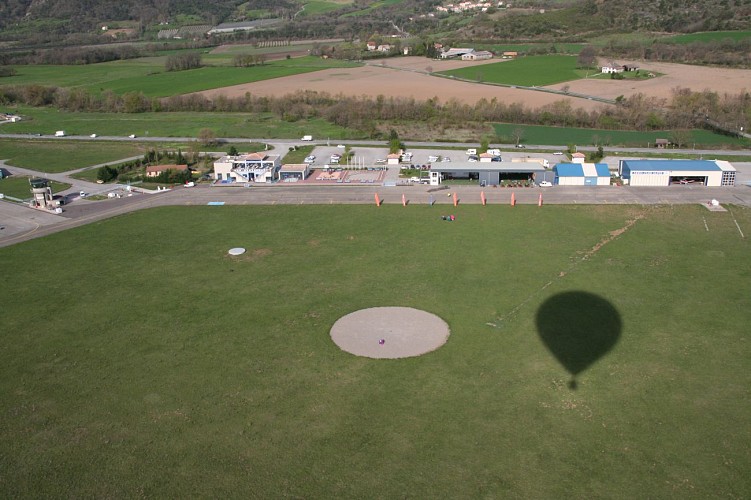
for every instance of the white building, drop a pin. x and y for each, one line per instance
(712, 173)
(253, 167)
(477, 55)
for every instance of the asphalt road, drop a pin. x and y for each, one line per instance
(282, 144)
(20, 223)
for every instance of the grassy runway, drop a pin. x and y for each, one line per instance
(138, 359)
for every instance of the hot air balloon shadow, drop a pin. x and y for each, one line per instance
(578, 328)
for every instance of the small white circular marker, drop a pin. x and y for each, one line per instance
(236, 251)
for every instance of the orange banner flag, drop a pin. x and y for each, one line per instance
(404, 201)
(456, 201)
(513, 199)
(539, 200)
(482, 197)
(377, 200)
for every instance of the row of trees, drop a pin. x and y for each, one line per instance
(248, 60)
(728, 52)
(181, 62)
(686, 109)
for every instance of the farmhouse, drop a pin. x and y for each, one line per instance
(612, 68)
(457, 52)
(712, 173)
(156, 170)
(477, 55)
(253, 167)
(581, 174)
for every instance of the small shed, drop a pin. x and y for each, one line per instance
(662, 143)
(578, 158)
(393, 159)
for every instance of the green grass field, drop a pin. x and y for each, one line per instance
(17, 186)
(147, 75)
(138, 359)
(60, 156)
(525, 71)
(565, 48)
(316, 7)
(710, 36)
(179, 124)
(538, 134)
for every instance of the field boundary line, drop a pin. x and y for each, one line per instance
(612, 235)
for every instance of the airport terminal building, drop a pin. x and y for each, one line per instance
(711, 173)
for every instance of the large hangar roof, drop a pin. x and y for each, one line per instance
(488, 166)
(681, 165)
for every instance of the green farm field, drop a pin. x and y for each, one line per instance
(138, 359)
(147, 75)
(709, 36)
(177, 124)
(538, 134)
(525, 71)
(316, 7)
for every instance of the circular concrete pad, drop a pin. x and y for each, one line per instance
(236, 251)
(389, 332)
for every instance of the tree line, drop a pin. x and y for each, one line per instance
(684, 110)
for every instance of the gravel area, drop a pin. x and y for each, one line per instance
(389, 332)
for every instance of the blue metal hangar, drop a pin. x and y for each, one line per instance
(713, 173)
(581, 174)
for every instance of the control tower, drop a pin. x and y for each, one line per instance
(41, 192)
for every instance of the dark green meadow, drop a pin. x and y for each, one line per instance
(138, 359)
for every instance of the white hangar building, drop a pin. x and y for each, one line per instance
(712, 173)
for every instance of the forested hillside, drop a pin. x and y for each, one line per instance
(528, 19)
(86, 14)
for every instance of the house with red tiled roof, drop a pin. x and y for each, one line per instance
(156, 170)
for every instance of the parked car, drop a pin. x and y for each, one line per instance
(93, 136)
(83, 194)
(473, 158)
(545, 184)
(520, 146)
(132, 136)
(496, 158)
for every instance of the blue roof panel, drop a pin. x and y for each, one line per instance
(602, 170)
(568, 170)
